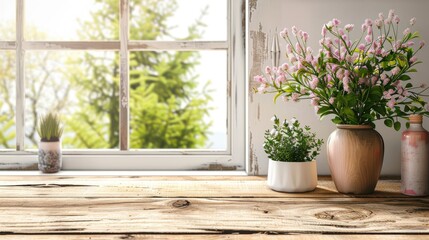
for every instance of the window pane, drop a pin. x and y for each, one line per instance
(83, 87)
(178, 100)
(7, 100)
(7, 20)
(178, 20)
(71, 20)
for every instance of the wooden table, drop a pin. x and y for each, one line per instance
(81, 207)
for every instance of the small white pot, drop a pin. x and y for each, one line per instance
(292, 176)
(50, 160)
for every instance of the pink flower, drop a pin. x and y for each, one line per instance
(391, 103)
(267, 70)
(305, 36)
(368, 38)
(295, 97)
(368, 22)
(298, 48)
(336, 22)
(285, 66)
(396, 19)
(259, 79)
(381, 16)
(413, 21)
(378, 23)
(289, 48)
(422, 43)
(262, 88)
(369, 30)
(386, 95)
(340, 31)
(349, 27)
(396, 70)
(284, 33)
(385, 81)
(388, 21)
(413, 59)
(364, 27)
(406, 31)
(361, 47)
(374, 80)
(280, 79)
(294, 30)
(409, 43)
(293, 59)
(315, 101)
(331, 100)
(391, 13)
(314, 82)
(323, 31)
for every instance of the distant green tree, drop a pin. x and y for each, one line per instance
(167, 105)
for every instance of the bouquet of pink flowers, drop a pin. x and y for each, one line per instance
(356, 81)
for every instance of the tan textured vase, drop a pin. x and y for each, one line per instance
(355, 157)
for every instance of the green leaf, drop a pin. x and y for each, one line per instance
(397, 126)
(404, 77)
(388, 122)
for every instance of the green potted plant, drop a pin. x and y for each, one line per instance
(50, 131)
(291, 150)
(357, 82)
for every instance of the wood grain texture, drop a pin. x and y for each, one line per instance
(216, 236)
(157, 186)
(213, 215)
(201, 207)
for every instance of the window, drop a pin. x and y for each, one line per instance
(140, 84)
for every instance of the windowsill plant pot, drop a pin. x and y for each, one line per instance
(292, 176)
(355, 157)
(50, 160)
(50, 131)
(291, 151)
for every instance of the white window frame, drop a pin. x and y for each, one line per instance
(124, 158)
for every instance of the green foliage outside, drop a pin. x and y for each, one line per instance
(166, 111)
(167, 106)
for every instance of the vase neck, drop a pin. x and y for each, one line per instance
(351, 126)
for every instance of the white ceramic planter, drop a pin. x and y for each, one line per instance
(292, 176)
(50, 160)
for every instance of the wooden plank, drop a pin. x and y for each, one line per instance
(217, 236)
(174, 186)
(213, 215)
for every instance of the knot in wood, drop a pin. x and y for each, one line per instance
(346, 214)
(181, 204)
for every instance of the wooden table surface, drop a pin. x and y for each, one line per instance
(203, 207)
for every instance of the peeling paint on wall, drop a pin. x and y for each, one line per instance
(252, 7)
(259, 55)
(254, 165)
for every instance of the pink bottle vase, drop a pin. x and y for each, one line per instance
(415, 159)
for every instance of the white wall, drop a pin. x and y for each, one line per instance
(267, 15)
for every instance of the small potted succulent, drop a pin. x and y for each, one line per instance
(291, 150)
(50, 131)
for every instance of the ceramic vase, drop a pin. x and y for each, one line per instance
(292, 176)
(415, 159)
(355, 157)
(50, 160)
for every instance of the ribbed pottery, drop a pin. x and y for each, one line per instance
(355, 157)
